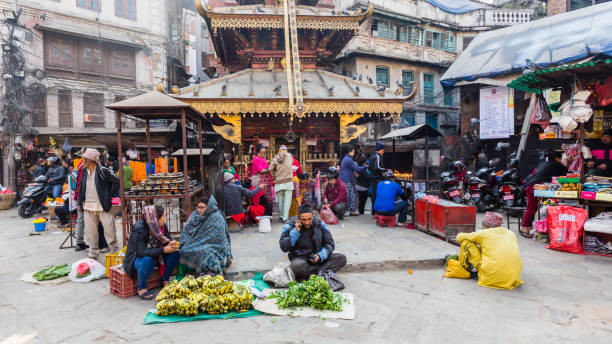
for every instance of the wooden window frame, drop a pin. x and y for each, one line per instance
(405, 85)
(429, 98)
(121, 72)
(93, 104)
(92, 67)
(124, 8)
(55, 45)
(89, 5)
(385, 68)
(67, 111)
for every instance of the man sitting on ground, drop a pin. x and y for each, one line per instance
(233, 198)
(385, 203)
(335, 194)
(310, 245)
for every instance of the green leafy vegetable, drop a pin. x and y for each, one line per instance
(314, 293)
(52, 272)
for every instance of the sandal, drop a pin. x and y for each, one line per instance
(147, 296)
(525, 235)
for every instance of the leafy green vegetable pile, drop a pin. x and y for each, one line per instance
(52, 272)
(314, 293)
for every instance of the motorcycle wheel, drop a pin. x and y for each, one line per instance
(25, 211)
(480, 206)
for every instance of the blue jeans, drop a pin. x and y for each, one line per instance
(56, 190)
(401, 207)
(145, 265)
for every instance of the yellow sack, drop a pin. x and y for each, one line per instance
(455, 270)
(501, 263)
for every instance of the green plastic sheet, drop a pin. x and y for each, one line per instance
(256, 282)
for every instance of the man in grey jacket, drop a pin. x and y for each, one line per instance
(233, 195)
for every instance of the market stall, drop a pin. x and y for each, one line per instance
(174, 191)
(575, 102)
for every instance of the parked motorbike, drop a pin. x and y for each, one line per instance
(450, 188)
(511, 184)
(483, 188)
(34, 197)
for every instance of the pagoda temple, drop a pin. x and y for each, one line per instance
(280, 90)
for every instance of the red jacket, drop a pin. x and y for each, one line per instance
(336, 193)
(297, 168)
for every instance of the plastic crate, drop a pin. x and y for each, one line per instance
(113, 259)
(123, 286)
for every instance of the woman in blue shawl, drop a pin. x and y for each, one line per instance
(205, 243)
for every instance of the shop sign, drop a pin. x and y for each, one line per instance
(496, 113)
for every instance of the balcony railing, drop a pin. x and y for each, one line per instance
(390, 48)
(507, 17)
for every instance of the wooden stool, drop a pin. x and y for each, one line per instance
(521, 212)
(385, 220)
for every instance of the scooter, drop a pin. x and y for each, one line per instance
(483, 188)
(34, 197)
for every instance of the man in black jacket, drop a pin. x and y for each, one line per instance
(98, 184)
(56, 177)
(375, 166)
(310, 245)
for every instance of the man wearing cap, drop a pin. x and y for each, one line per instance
(601, 162)
(233, 197)
(282, 170)
(310, 245)
(97, 186)
(375, 166)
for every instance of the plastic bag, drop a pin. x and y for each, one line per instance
(541, 226)
(455, 270)
(280, 275)
(328, 216)
(332, 279)
(565, 225)
(96, 269)
(541, 110)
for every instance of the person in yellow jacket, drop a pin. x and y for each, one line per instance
(497, 257)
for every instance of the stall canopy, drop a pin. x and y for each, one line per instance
(549, 41)
(457, 6)
(413, 133)
(193, 151)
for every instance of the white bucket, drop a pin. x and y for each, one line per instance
(265, 224)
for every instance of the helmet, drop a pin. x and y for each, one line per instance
(389, 175)
(457, 167)
(53, 159)
(333, 172)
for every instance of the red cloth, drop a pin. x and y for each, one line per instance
(604, 92)
(239, 218)
(256, 209)
(336, 193)
(297, 168)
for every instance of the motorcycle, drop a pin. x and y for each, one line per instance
(483, 188)
(511, 184)
(450, 187)
(34, 197)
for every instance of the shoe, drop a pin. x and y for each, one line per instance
(104, 250)
(354, 214)
(81, 247)
(93, 256)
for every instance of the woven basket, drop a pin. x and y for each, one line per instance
(7, 201)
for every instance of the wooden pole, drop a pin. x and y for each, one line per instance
(185, 168)
(201, 157)
(124, 215)
(148, 130)
(526, 126)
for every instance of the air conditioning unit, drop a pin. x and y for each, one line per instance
(88, 117)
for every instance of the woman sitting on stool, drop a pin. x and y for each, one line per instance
(150, 241)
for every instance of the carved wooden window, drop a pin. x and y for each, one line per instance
(407, 78)
(122, 62)
(90, 57)
(61, 52)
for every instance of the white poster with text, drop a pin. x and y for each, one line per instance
(495, 112)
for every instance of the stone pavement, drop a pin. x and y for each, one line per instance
(566, 298)
(366, 246)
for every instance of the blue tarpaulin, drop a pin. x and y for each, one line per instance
(548, 41)
(456, 6)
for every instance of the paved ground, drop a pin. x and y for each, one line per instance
(566, 298)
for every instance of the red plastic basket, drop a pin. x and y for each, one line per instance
(123, 286)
